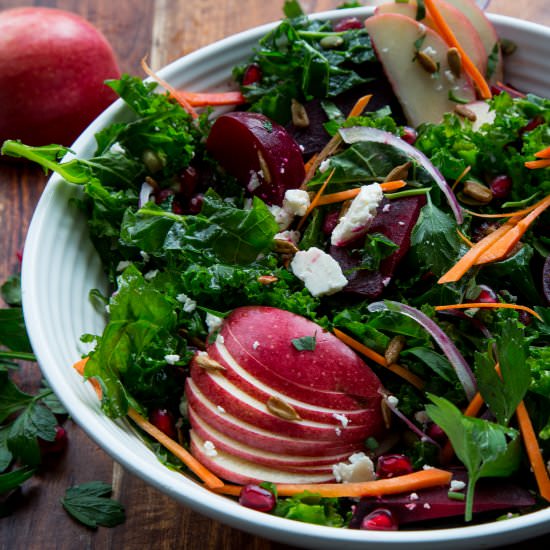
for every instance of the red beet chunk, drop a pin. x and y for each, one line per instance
(396, 223)
(432, 504)
(260, 153)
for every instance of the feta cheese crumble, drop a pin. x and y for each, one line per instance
(282, 217)
(290, 236)
(122, 265)
(296, 202)
(342, 418)
(359, 468)
(457, 485)
(256, 344)
(213, 322)
(210, 449)
(320, 272)
(189, 305)
(358, 218)
(172, 358)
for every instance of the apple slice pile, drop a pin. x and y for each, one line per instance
(416, 61)
(277, 398)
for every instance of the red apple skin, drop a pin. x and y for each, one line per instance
(255, 413)
(209, 383)
(288, 463)
(253, 436)
(53, 65)
(331, 368)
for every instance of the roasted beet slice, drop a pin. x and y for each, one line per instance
(433, 504)
(260, 153)
(313, 138)
(395, 219)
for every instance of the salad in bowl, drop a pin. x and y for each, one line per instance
(323, 290)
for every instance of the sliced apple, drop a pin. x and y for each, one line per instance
(238, 470)
(465, 32)
(424, 96)
(485, 30)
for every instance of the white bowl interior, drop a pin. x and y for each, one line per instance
(60, 267)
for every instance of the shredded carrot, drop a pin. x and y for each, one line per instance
(352, 193)
(503, 246)
(209, 479)
(200, 99)
(422, 479)
(512, 91)
(310, 162)
(315, 200)
(449, 37)
(490, 305)
(335, 140)
(464, 173)
(171, 90)
(469, 259)
(534, 164)
(464, 238)
(404, 373)
(543, 153)
(533, 451)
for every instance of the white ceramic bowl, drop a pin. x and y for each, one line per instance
(60, 266)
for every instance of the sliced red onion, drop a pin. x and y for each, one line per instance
(363, 133)
(144, 194)
(463, 371)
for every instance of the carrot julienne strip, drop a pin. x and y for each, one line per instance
(171, 90)
(469, 259)
(416, 381)
(209, 479)
(489, 305)
(464, 238)
(401, 484)
(446, 32)
(352, 193)
(501, 248)
(201, 99)
(315, 200)
(534, 164)
(543, 153)
(464, 173)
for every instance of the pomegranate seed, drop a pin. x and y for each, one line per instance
(486, 296)
(252, 74)
(177, 208)
(409, 135)
(347, 24)
(380, 519)
(162, 195)
(500, 186)
(19, 255)
(436, 433)
(330, 222)
(195, 204)
(188, 182)
(532, 124)
(257, 498)
(525, 318)
(164, 421)
(393, 466)
(57, 445)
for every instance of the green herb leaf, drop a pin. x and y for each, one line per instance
(305, 343)
(503, 394)
(13, 334)
(11, 291)
(310, 508)
(90, 505)
(292, 8)
(11, 398)
(485, 448)
(12, 480)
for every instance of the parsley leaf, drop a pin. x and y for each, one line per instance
(90, 504)
(503, 394)
(310, 508)
(485, 448)
(305, 343)
(13, 479)
(11, 398)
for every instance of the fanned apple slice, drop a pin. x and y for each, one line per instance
(406, 49)
(486, 31)
(465, 32)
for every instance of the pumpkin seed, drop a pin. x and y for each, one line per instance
(400, 172)
(395, 346)
(300, 118)
(203, 361)
(264, 168)
(478, 192)
(427, 62)
(267, 279)
(282, 409)
(463, 111)
(331, 41)
(454, 59)
(282, 246)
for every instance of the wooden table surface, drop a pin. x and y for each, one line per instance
(164, 30)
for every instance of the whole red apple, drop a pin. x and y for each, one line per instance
(53, 65)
